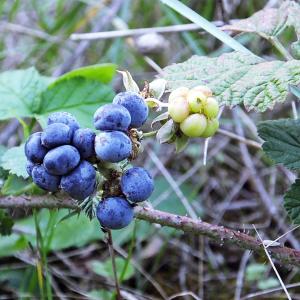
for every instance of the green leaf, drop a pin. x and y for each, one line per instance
(282, 141)
(268, 283)
(181, 143)
(12, 244)
(105, 268)
(157, 88)
(295, 91)
(79, 96)
(103, 73)
(99, 294)
(166, 132)
(206, 25)
(20, 92)
(15, 185)
(128, 82)
(6, 223)
(162, 117)
(255, 271)
(14, 160)
(292, 202)
(270, 21)
(237, 78)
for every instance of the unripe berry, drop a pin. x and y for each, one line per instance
(179, 92)
(204, 89)
(211, 108)
(196, 99)
(179, 109)
(211, 128)
(194, 125)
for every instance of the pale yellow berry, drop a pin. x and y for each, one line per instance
(211, 128)
(204, 89)
(194, 125)
(211, 108)
(196, 100)
(179, 92)
(179, 109)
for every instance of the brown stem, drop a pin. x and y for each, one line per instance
(219, 234)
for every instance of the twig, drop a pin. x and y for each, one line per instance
(240, 276)
(133, 32)
(240, 138)
(269, 291)
(217, 233)
(113, 262)
(274, 268)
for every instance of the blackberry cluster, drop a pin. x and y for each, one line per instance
(64, 157)
(113, 144)
(195, 110)
(59, 157)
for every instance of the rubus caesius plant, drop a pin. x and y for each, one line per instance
(88, 138)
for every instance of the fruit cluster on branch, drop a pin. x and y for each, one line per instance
(196, 111)
(68, 158)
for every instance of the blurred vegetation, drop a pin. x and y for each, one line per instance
(37, 33)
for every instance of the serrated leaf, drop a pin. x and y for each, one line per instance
(292, 202)
(270, 21)
(159, 118)
(103, 73)
(237, 78)
(14, 161)
(282, 141)
(181, 142)
(20, 91)
(295, 91)
(79, 96)
(129, 83)
(166, 132)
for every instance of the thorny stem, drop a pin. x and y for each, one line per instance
(113, 261)
(219, 234)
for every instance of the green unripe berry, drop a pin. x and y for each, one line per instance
(211, 128)
(179, 92)
(203, 89)
(179, 109)
(194, 125)
(211, 108)
(196, 100)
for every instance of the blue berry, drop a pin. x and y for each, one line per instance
(136, 184)
(84, 141)
(81, 182)
(44, 180)
(112, 117)
(112, 146)
(114, 213)
(56, 134)
(136, 106)
(61, 160)
(64, 117)
(29, 166)
(34, 150)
